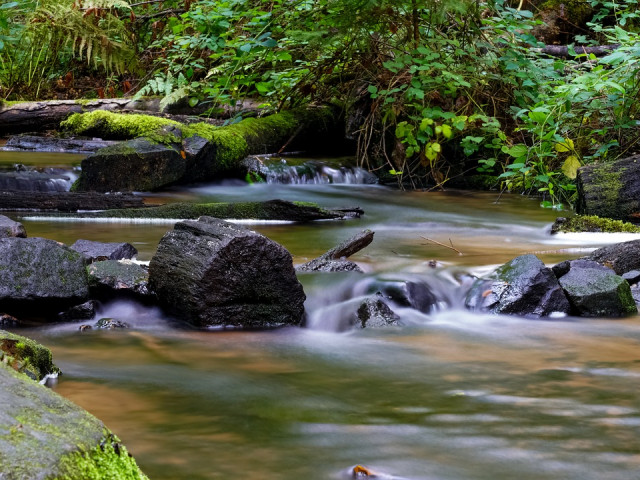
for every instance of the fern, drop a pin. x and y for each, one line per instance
(93, 32)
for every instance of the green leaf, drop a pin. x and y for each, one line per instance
(446, 131)
(570, 167)
(517, 151)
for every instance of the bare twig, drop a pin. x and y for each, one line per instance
(443, 245)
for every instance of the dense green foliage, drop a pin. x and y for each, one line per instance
(432, 88)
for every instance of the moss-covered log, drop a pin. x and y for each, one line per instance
(269, 210)
(610, 190)
(194, 152)
(19, 117)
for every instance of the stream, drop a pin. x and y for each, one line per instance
(449, 395)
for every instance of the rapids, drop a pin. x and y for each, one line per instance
(450, 395)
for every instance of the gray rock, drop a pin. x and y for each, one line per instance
(134, 165)
(329, 265)
(96, 251)
(85, 311)
(54, 144)
(109, 278)
(43, 435)
(40, 277)
(522, 286)
(373, 312)
(10, 228)
(621, 257)
(213, 273)
(335, 260)
(8, 321)
(632, 276)
(596, 291)
(111, 324)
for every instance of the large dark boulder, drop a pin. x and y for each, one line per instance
(522, 286)
(134, 165)
(10, 228)
(621, 257)
(213, 273)
(610, 189)
(595, 290)
(112, 278)
(98, 251)
(40, 277)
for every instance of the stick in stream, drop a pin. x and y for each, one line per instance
(443, 245)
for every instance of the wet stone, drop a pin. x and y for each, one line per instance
(97, 251)
(85, 311)
(111, 324)
(10, 228)
(375, 313)
(632, 276)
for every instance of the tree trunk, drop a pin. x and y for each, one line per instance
(46, 115)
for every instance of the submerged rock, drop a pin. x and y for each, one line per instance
(373, 312)
(110, 278)
(97, 251)
(621, 257)
(40, 277)
(10, 228)
(523, 286)
(213, 273)
(595, 290)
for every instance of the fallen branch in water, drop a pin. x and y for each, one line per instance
(442, 244)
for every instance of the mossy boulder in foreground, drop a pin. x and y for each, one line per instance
(212, 273)
(44, 436)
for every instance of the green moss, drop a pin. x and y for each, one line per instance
(109, 460)
(593, 223)
(26, 355)
(118, 125)
(605, 181)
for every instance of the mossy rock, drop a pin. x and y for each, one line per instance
(220, 154)
(610, 190)
(26, 356)
(44, 436)
(592, 223)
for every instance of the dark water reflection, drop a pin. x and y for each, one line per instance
(451, 396)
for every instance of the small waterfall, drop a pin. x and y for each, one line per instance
(413, 297)
(279, 171)
(47, 180)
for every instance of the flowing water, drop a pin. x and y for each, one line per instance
(449, 395)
